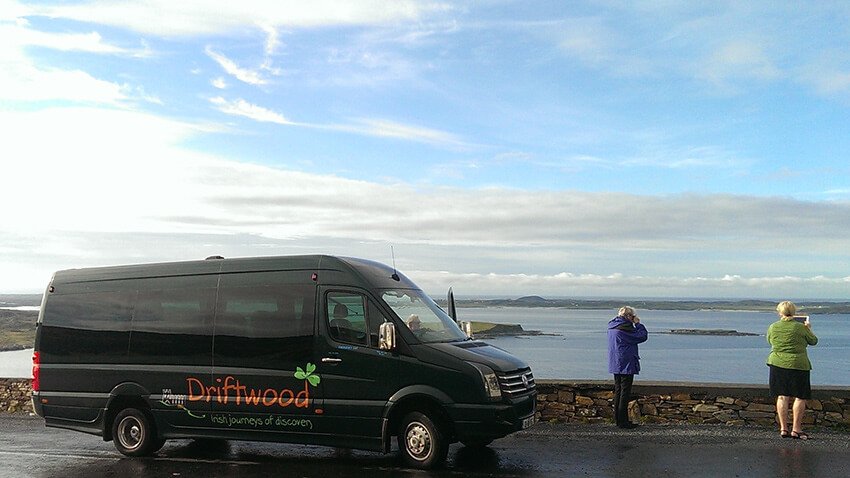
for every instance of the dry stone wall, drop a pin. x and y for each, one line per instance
(672, 403)
(15, 395)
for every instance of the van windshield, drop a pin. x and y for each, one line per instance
(427, 321)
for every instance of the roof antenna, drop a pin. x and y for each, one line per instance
(395, 273)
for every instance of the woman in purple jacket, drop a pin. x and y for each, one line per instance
(625, 332)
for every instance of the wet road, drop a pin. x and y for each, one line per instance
(28, 449)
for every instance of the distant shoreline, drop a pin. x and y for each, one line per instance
(808, 307)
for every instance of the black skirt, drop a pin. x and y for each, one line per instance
(790, 383)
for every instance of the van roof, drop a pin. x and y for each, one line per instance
(328, 269)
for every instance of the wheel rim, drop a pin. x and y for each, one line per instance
(131, 433)
(417, 439)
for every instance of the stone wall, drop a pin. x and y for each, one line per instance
(15, 395)
(590, 402)
(674, 402)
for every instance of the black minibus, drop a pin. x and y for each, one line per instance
(316, 349)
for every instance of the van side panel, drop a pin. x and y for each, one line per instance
(172, 338)
(83, 341)
(265, 323)
(97, 337)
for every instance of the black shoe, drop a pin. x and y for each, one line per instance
(627, 425)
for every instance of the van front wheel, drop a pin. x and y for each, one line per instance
(133, 433)
(421, 442)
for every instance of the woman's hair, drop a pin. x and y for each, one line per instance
(627, 311)
(786, 309)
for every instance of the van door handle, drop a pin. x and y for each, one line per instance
(331, 360)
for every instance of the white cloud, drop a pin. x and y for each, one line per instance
(391, 129)
(828, 73)
(90, 42)
(219, 83)
(104, 165)
(119, 186)
(241, 107)
(567, 284)
(251, 77)
(831, 83)
(587, 40)
(739, 60)
(22, 79)
(272, 40)
(206, 17)
(96, 169)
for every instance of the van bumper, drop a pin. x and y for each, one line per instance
(491, 421)
(70, 413)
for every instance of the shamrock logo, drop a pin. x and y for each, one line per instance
(308, 375)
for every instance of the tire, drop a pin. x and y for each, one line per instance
(422, 444)
(134, 434)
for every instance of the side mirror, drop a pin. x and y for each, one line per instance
(466, 327)
(450, 305)
(386, 336)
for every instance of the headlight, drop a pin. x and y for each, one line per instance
(491, 382)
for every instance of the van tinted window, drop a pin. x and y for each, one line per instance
(262, 322)
(80, 328)
(173, 321)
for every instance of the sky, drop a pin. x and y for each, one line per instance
(609, 149)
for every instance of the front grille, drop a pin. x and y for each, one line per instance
(517, 383)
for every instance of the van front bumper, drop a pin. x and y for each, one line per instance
(491, 421)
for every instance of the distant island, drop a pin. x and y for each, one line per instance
(719, 332)
(485, 330)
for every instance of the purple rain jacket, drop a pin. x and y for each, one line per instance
(623, 340)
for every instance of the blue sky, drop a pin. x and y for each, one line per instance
(657, 149)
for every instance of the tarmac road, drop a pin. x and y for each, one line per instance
(28, 449)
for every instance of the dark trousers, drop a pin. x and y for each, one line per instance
(622, 395)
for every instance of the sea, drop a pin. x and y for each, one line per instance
(574, 346)
(577, 347)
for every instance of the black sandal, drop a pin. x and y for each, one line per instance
(799, 436)
(784, 434)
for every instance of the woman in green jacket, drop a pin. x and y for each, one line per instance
(790, 367)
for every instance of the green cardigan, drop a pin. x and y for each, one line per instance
(788, 340)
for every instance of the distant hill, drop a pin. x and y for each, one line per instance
(17, 329)
(18, 300)
(531, 300)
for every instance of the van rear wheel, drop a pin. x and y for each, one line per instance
(134, 434)
(421, 442)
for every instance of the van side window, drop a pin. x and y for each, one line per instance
(172, 326)
(88, 327)
(347, 318)
(262, 326)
